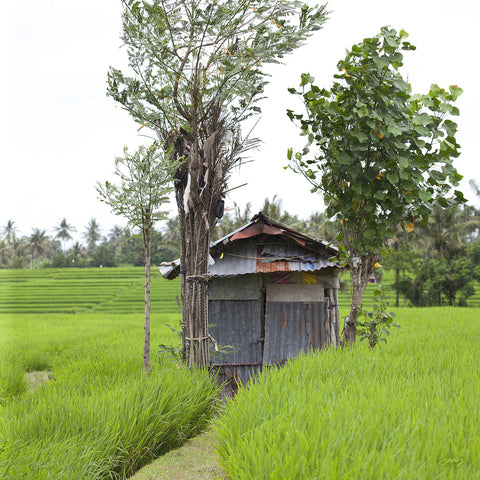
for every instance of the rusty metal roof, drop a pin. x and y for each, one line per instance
(241, 251)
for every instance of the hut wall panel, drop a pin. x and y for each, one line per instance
(291, 328)
(243, 287)
(295, 293)
(238, 323)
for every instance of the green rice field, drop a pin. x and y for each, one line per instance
(116, 290)
(80, 290)
(407, 410)
(95, 414)
(75, 403)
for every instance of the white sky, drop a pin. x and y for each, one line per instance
(60, 133)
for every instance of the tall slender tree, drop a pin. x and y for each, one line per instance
(64, 230)
(92, 234)
(145, 181)
(197, 74)
(9, 232)
(38, 244)
(5, 253)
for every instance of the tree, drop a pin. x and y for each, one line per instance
(145, 179)
(92, 234)
(103, 257)
(5, 253)
(382, 154)
(63, 233)
(9, 232)
(197, 68)
(319, 226)
(38, 244)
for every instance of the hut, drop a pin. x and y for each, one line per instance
(273, 293)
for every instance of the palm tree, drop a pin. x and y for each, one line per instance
(9, 232)
(274, 209)
(5, 252)
(38, 244)
(319, 226)
(116, 234)
(446, 232)
(63, 232)
(92, 234)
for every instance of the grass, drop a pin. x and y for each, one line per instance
(195, 460)
(99, 416)
(406, 410)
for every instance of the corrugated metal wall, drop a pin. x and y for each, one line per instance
(291, 328)
(266, 324)
(236, 311)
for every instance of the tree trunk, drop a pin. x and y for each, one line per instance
(397, 280)
(146, 346)
(360, 270)
(196, 220)
(195, 281)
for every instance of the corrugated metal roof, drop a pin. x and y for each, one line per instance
(272, 258)
(240, 262)
(238, 254)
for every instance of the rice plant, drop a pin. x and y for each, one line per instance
(408, 409)
(100, 416)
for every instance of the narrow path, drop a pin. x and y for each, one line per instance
(196, 460)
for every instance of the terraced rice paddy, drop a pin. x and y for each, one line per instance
(115, 290)
(77, 290)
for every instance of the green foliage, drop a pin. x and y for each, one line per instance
(375, 325)
(438, 281)
(145, 179)
(101, 417)
(381, 154)
(103, 257)
(474, 255)
(191, 58)
(407, 410)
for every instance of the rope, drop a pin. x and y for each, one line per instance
(208, 337)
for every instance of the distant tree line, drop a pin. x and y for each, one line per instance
(437, 265)
(119, 247)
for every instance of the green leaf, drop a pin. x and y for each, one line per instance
(403, 162)
(306, 79)
(392, 177)
(394, 130)
(344, 158)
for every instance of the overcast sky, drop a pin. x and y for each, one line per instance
(60, 132)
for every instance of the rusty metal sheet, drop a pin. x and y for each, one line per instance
(238, 323)
(256, 229)
(235, 261)
(291, 328)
